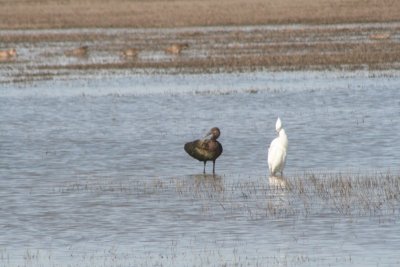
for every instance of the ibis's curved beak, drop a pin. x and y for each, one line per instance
(207, 135)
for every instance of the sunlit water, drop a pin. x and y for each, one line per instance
(93, 171)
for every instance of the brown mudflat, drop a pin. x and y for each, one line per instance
(345, 34)
(178, 13)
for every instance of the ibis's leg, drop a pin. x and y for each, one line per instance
(204, 170)
(213, 166)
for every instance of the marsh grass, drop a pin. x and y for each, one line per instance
(111, 256)
(264, 203)
(336, 195)
(346, 195)
(299, 196)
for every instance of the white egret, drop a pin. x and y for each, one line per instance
(277, 150)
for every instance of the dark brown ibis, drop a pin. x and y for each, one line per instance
(206, 149)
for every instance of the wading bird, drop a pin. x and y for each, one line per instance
(206, 149)
(130, 53)
(380, 36)
(176, 48)
(78, 52)
(6, 54)
(277, 150)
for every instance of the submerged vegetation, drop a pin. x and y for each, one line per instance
(314, 195)
(298, 196)
(345, 195)
(251, 205)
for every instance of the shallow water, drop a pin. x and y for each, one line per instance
(93, 171)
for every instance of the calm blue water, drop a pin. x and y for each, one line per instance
(93, 172)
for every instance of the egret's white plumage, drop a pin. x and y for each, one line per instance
(278, 125)
(277, 150)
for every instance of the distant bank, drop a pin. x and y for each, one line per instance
(27, 14)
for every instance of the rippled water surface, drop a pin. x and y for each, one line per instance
(93, 171)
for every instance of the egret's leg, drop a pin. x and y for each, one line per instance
(204, 170)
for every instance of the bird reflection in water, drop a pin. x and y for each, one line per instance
(208, 181)
(278, 182)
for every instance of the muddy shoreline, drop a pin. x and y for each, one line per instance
(42, 53)
(324, 37)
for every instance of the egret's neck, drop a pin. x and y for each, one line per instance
(283, 138)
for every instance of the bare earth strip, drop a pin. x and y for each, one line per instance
(34, 14)
(301, 34)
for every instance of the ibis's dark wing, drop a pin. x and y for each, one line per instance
(204, 150)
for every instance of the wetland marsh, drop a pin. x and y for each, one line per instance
(92, 166)
(94, 172)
